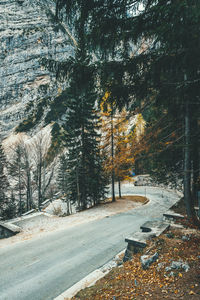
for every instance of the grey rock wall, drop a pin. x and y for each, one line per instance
(27, 34)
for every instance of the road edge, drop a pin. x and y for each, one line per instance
(91, 278)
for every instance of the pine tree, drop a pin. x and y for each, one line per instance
(63, 177)
(3, 182)
(16, 170)
(11, 209)
(79, 126)
(28, 177)
(81, 139)
(20, 171)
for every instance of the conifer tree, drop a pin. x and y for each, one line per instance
(3, 182)
(79, 125)
(11, 208)
(20, 171)
(16, 170)
(63, 177)
(81, 138)
(28, 177)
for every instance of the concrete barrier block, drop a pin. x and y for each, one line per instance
(8, 230)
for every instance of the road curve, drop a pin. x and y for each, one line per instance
(42, 268)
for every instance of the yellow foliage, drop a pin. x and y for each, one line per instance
(106, 96)
(126, 141)
(59, 91)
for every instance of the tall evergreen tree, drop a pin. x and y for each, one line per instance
(20, 172)
(62, 180)
(28, 178)
(81, 139)
(3, 182)
(11, 209)
(16, 170)
(78, 122)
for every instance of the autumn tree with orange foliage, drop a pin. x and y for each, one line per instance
(118, 140)
(107, 143)
(124, 157)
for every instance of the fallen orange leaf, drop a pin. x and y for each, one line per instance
(191, 293)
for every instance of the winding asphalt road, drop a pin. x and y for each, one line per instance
(42, 268)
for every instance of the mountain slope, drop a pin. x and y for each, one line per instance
(27, 34)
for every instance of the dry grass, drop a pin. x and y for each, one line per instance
(139, 199)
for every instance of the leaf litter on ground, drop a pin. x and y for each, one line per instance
(130, 281)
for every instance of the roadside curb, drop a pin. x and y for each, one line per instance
(90, 279)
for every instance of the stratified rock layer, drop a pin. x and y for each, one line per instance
(27, 34)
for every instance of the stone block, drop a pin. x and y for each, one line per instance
(147, 260)
(156, 227)
(172, 215)
(7, 230)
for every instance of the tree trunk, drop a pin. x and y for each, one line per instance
(27, 200)
(119, 185)
(70, 207)
(83, 194)
(195, 161)
(68, 204)
(31, 197)
(39, 185)
(187, 164)
(78, 190)
(112, 156)
(20, 192)
(28, 192)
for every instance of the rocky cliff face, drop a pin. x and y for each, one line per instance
(27, 34)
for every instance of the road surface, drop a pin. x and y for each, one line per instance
(42, 268)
